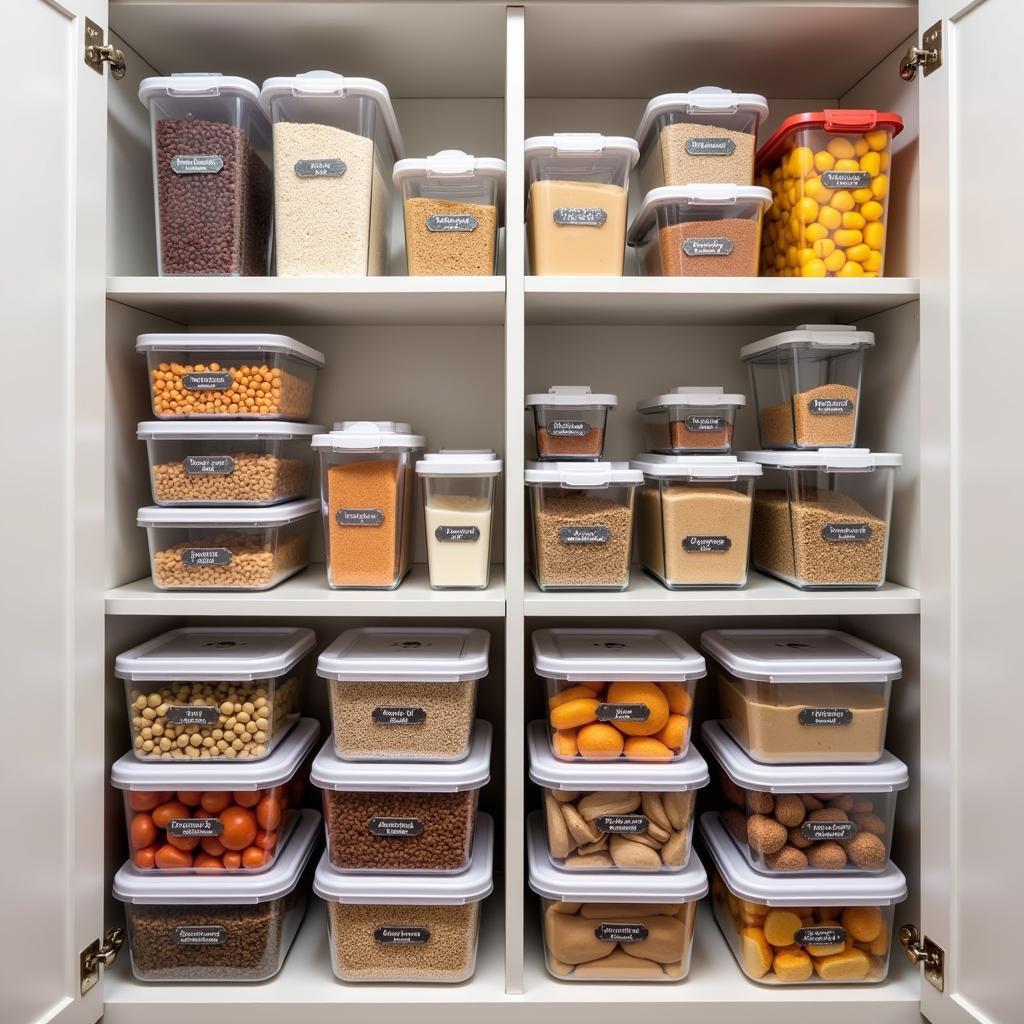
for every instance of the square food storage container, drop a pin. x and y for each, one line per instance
(689, 419)
(828, 171)
(693, 518)
(238, 689)
(199, 818)
(238, 929)
(227, 548)
(576, 202)
(366, 496)
(402, 928)
(616, 817)
(241, 376)
(802, 696)
(404, 694)
(614, 927)
(414, 817)
(452, 205)
(570, 422)
(807, 819)
(794, 930)
(212, 183)
(699, 231)
(335, 144)
(822, 518)
(617, 694)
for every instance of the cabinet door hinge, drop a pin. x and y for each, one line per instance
(97, 53)
(928, 55)
(99, 954)
(927, 952)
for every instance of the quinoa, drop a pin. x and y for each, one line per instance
(812, 429)
(457, 252)
(668, 162)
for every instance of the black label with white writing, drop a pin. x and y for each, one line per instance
(200, 935)
(842, 533)
(197, 163)
(714, 246)
(209, 465)
(195, 828)
(830, 406)
(623, 712)
(320, 168)
(705, 424)
(584, 534)
(398, 716)
(625, 933)
(360, 517)
(568, 428)
(209, 380)
(395, 828)
(457, 534)
(194, 558)
(710, 147)
(623, 824)
(401, 935)
(820, 935)
(825, 716)
(706, 545)
(820, 831)
(192, 714)
(580, 216)
(452, 222)
(846, 179)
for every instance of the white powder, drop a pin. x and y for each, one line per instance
(458, 563)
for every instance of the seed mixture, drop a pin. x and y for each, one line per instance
(558, 446)
(254, 478)
(255, 390)
(434, 251)
(670, 164)
(669, 259)
(813, 429)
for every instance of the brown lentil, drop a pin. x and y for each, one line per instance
(433, 252)
(255, 390)
(813, 430)
(256, 477)
(555, 446)
(670, 260)
(670, 164)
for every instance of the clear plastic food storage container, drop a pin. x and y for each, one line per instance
(415, 817)
(241, 376)
(404, 694)
(452, 204)
(228, 548)
(570, 422)
(236, 689)
(802, 696)
(205, 819)
(576, 204)
(335, 143)
(366, 494)
(822, 518)
(614, 927)
(407, 929)
(699, 231)
(458, 510)
(791, 931)
(690, 419)
(829, 176)
(612, 694)
(212, 183)
(806, 385)
(187, 929)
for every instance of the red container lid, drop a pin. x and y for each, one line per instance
(841, 122)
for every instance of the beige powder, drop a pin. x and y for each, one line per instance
(576, 248)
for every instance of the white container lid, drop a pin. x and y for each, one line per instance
(829, 459)
(841, 889)
(832, 338)
(275, 515)
(694, 467)
(370, 436)
(594, 655)
(887, 775)
(800, 656)
(236, 888)
(582, 474)
(451, 163)
(469, 886)
(582, 144)
(700, 196)
(227, 430)
(199, 83)
(707, 100)
(128, 772)
(572, 396)
(228, 343)
(460, 462)
(687, 394)
(472, 772)
(611, 887)
(396, 655)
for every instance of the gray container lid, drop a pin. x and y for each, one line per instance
(395, 654)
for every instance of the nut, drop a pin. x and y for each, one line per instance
(626, 854)
(765, 834)
(594, 805)
(559, 842)
(789, 810)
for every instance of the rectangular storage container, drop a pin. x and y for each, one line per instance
(802, 696)
(404, 694)
(413, 817)
(791, 931)
(614, 927)
(688, 420)
(617, 695)
(570, 422)
(399, 928)
(212, 183)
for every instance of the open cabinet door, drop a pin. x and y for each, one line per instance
(51, 760)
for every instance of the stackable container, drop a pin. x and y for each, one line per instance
(617, 695)
(404, 694)
(237, 929)
(221, 684)
(212, 182)
(236, 376)
(828, 171)
(689, 419)
(576, 202)
(335, 144)
(614, 927)
(570, 422)
(213, 819)
(399, 928)
(795, 930)
(802, 696)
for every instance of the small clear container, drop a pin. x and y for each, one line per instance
(366, 496)
(404, 694)
(228, 548)
(397, 928)
(614, 927)
(236, 376)
(576, 202)
(802, 696)
(688, 420)
(203, 818)
(335, 144)
(699, 231)
(237, 689)
(213, 187)
(452, 205)
(570, 422)
(412, 817)
(617, 695)
(458, 511)
(798, 930)
(223, 930)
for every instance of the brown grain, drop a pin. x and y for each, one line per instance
(813, 430)
(700, 440)
(432, 252)
(672, 261)
(556, 446)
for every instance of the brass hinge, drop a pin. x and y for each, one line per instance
(928, 55)
(97, 53)
(99, 954)
(927, 952)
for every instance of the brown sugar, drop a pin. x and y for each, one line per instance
(683, 436)
(445, 237)
(589, 445)
(734, 255)
(823, 417)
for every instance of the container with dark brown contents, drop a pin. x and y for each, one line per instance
(570, 422)
(690, 419)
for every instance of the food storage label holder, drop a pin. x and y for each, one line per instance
(690, 419)
(369, 436)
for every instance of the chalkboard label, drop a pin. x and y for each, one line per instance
(843, 533)
(623, 712)
(715, 246)
(845, 179)
(457, 534)
(625, 933)
(195, 828)
(706, 545)
(401, 935)
(704, 424)
(568, 428)
(192, 714)
(452, 222)
(820, 935)
(820, 831)
(623, 824)
(584, 534)
(211, 380)
(395, 828)
(580, 216)
(830, 406)
(197, 163)
(398, 716)
(710, 147)
(209, 465)
(200, 935)
(194, 558)
(320, 168)
(360, 517)
(825, 716)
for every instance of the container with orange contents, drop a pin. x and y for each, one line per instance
(829, 175)
(204, 818)
(611, 694)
